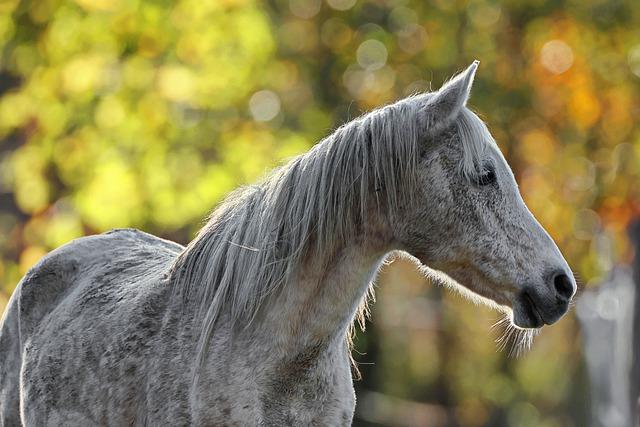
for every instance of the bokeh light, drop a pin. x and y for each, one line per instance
(556, 56)
(264, 105)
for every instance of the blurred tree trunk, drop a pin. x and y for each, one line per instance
(606, 314)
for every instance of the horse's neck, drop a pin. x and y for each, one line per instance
(319, 304)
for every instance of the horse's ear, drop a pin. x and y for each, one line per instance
(443, 106)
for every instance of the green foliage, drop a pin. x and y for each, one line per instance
(145, 113)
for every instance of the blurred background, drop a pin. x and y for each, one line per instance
(145, 113)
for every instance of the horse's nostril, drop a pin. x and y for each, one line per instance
(563, 285)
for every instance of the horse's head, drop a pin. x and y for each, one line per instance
(467, 218)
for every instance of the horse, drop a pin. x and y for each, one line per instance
(250, 323)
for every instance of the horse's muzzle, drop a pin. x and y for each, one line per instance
(534, 307)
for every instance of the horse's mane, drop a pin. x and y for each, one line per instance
(254, 240)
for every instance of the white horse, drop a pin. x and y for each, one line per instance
(250, 323)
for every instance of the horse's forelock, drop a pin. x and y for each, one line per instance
(475, 139)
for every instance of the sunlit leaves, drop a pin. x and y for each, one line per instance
(31, 186)
(110, 84)
(111, 197)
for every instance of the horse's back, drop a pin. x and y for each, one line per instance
(91, 272)
(87, 309)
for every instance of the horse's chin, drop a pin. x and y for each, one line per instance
(530, 314)
(526, 322)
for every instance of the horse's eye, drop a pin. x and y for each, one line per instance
(488, 176)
